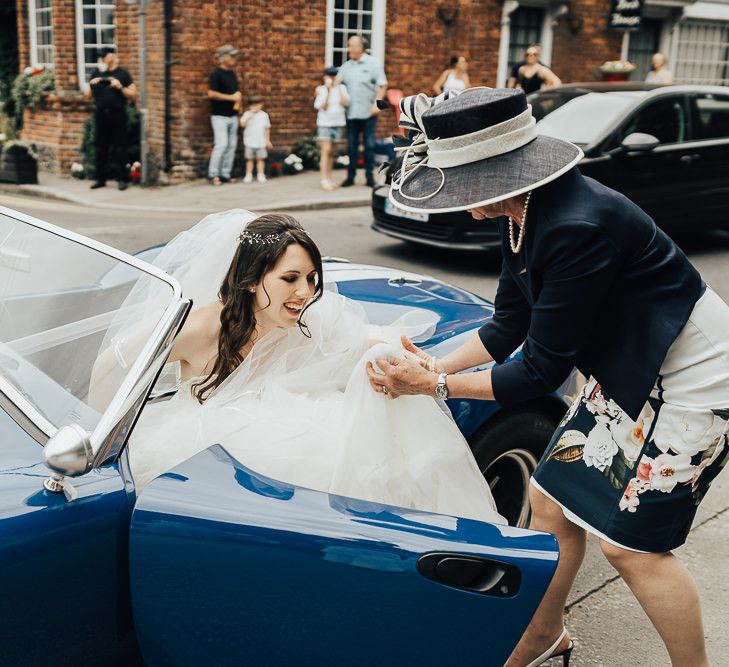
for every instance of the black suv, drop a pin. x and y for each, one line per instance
(664, 147)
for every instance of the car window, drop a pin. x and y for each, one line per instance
(664, 118)
(61, 356)
(712, 117)
(545, 102)
(582, 120)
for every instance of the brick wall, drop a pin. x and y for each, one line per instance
(57, 130)
(577, 56)
(282, 55)
(23, 34)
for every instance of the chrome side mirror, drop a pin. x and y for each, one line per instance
(67, 452)
(639, 142)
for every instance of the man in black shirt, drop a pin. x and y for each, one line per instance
(225, 100)
(112, 87)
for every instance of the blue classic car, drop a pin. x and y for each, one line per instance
(214, 563)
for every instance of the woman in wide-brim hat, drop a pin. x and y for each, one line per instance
(588, 281)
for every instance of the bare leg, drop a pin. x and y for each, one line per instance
(668, 595)
(325, 161)
(261, 167)
(548, 621)
(249, 168)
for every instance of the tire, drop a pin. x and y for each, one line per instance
(507, 449)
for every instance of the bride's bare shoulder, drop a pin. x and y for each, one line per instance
(201, 331)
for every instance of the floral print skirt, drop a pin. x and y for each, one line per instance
(637, 484)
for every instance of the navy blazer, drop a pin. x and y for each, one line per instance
(597, 286)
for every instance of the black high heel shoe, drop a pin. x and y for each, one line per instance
(548, 654)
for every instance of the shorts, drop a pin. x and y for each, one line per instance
(329, 133)
(255, 153)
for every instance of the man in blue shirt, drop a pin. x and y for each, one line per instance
(366, 83)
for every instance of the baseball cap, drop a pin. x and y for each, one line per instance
(226, 50)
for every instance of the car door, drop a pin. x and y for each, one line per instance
(230, 567)
(658, 180)
(710, 158)
(64, 546)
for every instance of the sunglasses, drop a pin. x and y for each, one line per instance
(531, 53)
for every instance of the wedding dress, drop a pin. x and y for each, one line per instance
(301, 410)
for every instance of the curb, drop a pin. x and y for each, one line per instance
(301, 205)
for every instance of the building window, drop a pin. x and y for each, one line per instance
(354, 17)
(41, 33)
(94, 29)
(525, 29)
(702, 55)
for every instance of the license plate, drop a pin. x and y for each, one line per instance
(391, 209)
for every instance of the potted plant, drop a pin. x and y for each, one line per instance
(616, 70)
(18, 163)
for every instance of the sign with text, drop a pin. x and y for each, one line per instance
(625, 14)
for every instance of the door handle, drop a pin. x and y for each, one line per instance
(472, 573)
(688, 159)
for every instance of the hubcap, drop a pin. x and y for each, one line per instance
(508, 478)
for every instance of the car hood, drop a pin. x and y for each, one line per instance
(386, 293)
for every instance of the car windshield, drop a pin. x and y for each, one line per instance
(62, 322)
(584, 119)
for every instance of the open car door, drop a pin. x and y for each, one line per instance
(230, 567)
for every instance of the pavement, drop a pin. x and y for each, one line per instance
(297, 192)
(606, 622)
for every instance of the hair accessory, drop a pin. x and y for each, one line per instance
(252, 237)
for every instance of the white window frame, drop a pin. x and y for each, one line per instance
(80, 26)
(33, 28)
(376, 36)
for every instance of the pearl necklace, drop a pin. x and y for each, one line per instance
(516, 245)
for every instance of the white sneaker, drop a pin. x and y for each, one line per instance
(248, 178)
(261, 178)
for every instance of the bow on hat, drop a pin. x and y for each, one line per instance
(437, 153)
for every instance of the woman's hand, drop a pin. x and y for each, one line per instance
(400, 377)
(421, 356)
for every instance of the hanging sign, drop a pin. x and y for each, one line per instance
(625, 14)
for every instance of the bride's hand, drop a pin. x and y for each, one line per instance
(420, 356)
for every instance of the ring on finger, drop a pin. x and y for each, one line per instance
(385, 390)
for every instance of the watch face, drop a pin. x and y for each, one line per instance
(441, 391)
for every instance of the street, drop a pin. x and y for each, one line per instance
(608, 626)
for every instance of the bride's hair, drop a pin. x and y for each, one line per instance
(261, 245)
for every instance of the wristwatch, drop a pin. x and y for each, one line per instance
(441, 389)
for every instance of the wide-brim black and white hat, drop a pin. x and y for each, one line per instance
(473, 149)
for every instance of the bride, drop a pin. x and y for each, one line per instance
(272, 367)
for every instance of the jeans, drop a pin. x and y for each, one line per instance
(111, 144)
(355, 127)
(225, 131)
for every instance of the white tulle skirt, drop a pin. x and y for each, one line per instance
(354, 442)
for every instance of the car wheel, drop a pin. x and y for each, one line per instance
(507, 449)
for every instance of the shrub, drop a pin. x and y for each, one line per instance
(28, 90)
(307, 148)
(293, 164)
